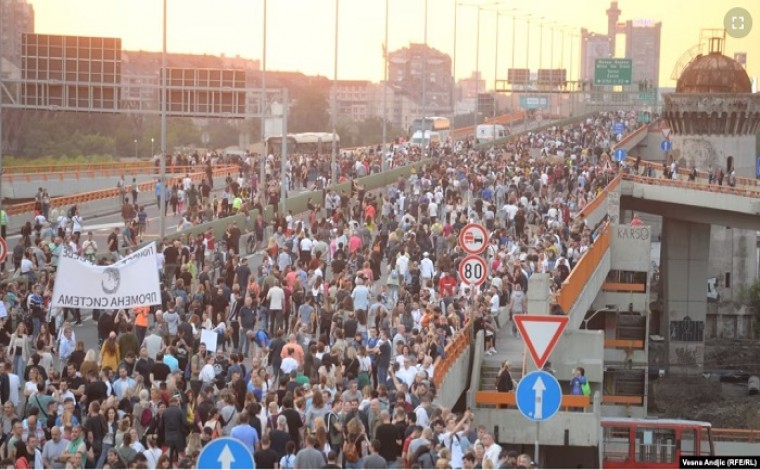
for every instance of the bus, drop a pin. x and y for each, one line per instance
(428, 130)
(653, 443)
(304, 143)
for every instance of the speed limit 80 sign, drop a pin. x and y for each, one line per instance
(472, 270)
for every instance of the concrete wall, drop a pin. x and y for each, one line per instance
(685, 250)
(575, 348)
(714, 150)
(630, 247)
(454, 381)
(477, 359)
(589, 293)
(582, 429)
(538, 294)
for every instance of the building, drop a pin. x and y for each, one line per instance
(17, 17)
(642, 46)
(354, 99)
(406, 69)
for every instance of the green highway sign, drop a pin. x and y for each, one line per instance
(613, 71)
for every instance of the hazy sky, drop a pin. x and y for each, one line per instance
(300, 32)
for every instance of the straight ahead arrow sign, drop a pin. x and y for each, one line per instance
(226, 459)
(538, 410)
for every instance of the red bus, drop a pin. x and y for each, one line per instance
(653, 443)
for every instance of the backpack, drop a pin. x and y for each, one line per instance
(146, 417)
(349, 450)
(586, 389)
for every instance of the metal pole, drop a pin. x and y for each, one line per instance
(527, 47)
(551, 49)
(164, 105)
(1, 121)
(535, 446)
(263, 107)
(572, 36)
(334, 153)
(383, 156)
(284, 156)
(425, 142)
(495, 78)
(540, 45)
(477, 77)
(514, 32)
(454, 67)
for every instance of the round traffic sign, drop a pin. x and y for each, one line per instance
(473, 270)
(3, 250)
(473, 239)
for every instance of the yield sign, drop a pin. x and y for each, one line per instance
(666, 132)
(541, 333)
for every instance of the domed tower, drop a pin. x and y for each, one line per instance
(714, 118)
(713, 115)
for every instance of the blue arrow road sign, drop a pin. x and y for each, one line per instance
(618, 128)
(757, 166)
(539, 396)
(666, 145)
(225, 453)
(620, 155)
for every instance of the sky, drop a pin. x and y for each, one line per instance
(300, 33)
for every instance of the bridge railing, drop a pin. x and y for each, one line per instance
(452, 351)
(99, 171)
(80, 198)
(714, 188)
(573, 286)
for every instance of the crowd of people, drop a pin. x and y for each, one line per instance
(319, 351)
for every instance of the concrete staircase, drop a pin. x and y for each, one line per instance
(509, 348)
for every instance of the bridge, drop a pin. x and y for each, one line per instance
(613, 343)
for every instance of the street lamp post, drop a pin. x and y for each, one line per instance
(152, 147)
(284, 156)
(334, 153)
(425, 142)
(477, 76)
(541, 43)
(263, 106)
(162, 196)
(383, 157)
(135, 149)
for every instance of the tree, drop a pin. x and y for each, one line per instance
(309, 113)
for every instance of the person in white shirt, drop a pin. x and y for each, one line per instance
(207, 375)
(427, 269)
(276, 298)
(289, 363)
(402, 265)
(492, 450)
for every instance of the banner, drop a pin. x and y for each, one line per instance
(130, 282)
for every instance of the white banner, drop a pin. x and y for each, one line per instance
(130, 282)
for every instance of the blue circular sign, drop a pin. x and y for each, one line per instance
(620, 154)
(666, 145)
(225, 453)
(539, 396)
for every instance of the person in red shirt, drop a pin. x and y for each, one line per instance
(416, 433)
(446, 285)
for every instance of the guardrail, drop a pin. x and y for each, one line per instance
(714, 188)
(701, 174)
(452, 351)
(92, 172)
(508, 399)
(624, 287)
(74, 167)
(599, 200)
(736, 435)
(66, 201)
(573, 286)
(635, 135)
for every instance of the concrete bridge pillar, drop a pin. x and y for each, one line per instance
(684, 264)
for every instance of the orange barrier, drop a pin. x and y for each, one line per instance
(622, 400)
(452, 352)
(102, 172)
(510, 118)
(623, 287)
(509, 399)
(583, 270)
(130, 166)
(624, 343)
(600, 199)
(67, 201)
(740, 435)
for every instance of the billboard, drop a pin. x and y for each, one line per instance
(534, 102)
(613, 71)
(70, 72)
(518, 76)
(201, 92)
(595, 47)
(552, 77)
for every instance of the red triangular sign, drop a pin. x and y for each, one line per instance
(541, 333)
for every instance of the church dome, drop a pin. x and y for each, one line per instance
(714, 73)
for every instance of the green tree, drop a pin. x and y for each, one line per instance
(308, 113)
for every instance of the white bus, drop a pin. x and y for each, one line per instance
(434, 129)
(486, 133)
(304, 143)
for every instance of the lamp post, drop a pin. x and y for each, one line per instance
(334, 153)
(152, 149)
(527, 39)
(541, 43)
(383, 156)
(135, 149)
(425, 142)
(263, 106)
(162, 196)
